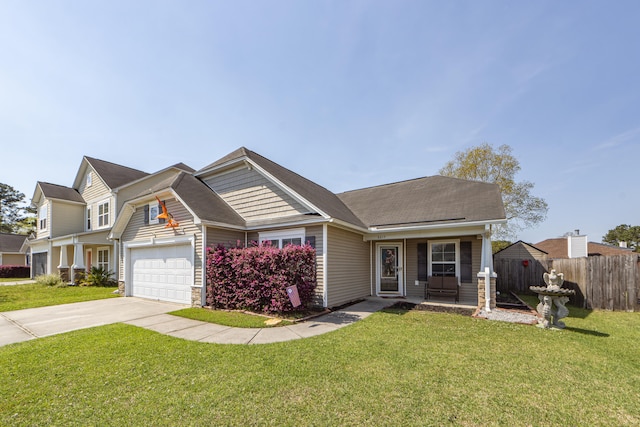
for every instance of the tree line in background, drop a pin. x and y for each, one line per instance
(16, 216)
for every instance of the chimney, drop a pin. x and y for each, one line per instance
(577, 246)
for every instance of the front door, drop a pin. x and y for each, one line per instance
(389, 273)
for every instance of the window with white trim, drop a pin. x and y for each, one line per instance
(444, 258)
(282, 238)
(103, 258)
(42, 217)
(154, 211)
(88, 218)
(103, 214)
(89, 180)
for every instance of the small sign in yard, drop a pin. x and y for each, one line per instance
(292, 291)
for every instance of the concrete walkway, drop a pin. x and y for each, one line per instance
(23, 325)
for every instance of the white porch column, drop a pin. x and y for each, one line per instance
(63, 257)
(486, 276)
(78, 257)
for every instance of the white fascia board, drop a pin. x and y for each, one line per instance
(310, 221)
(83, 165)
(223, 225)
(439, 230)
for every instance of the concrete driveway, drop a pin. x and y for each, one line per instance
(23, 325)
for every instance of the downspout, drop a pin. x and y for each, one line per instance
(325, 293)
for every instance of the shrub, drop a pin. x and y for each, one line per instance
(53, 280)
(98, 276)
(14, 271)
(256, 278)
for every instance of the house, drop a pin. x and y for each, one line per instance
(520, 251)
(73, 223)
(561, 247)
(11, 251)
(384, 240)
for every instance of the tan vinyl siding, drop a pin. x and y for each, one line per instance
(253, 196)
(316, 231)
(66, 218)
(137, 230)
(97, 190)
(227, 238)
(347, 267)
(13, 259)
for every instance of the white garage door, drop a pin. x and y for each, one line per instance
(163, 273)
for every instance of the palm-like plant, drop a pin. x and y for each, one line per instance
(99, 276)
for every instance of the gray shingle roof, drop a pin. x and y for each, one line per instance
(114, 175)
(55, 191)
(432, 199)
(11, 242)
(319, 196)
(204, 202)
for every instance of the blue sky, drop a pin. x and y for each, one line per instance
(347, 93)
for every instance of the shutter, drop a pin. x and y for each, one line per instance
(422, 261)
(161, 220)
(146, 214)
(466, 268)
(311, 241)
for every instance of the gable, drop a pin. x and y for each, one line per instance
(253, 196)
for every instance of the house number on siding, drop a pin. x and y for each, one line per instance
(382, 236)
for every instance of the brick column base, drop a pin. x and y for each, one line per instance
(121, 287)
(78, 273)
(64, 274)
(196, 296)
(482, 292)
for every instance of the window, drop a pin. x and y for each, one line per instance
(154, 211)
(103, 214)
(280, 239)
(103, 258)
(89, 179)
(88, 218)
(443, 258)
(42, 217)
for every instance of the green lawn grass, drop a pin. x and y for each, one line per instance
(17, 297)
(393, 368)
(228, 318)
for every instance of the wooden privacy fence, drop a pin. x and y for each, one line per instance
(600, 282)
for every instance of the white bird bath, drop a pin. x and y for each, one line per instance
(552, 300)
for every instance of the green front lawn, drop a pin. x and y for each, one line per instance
(17, 297)
(228, 318)
(394, 368)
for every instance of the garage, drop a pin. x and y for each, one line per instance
(162, 272)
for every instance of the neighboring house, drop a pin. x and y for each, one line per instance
(561, 247)
(73, 223)
(520, 251)
(11, 251)
(383, 240)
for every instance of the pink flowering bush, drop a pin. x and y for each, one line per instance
(256, 278)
